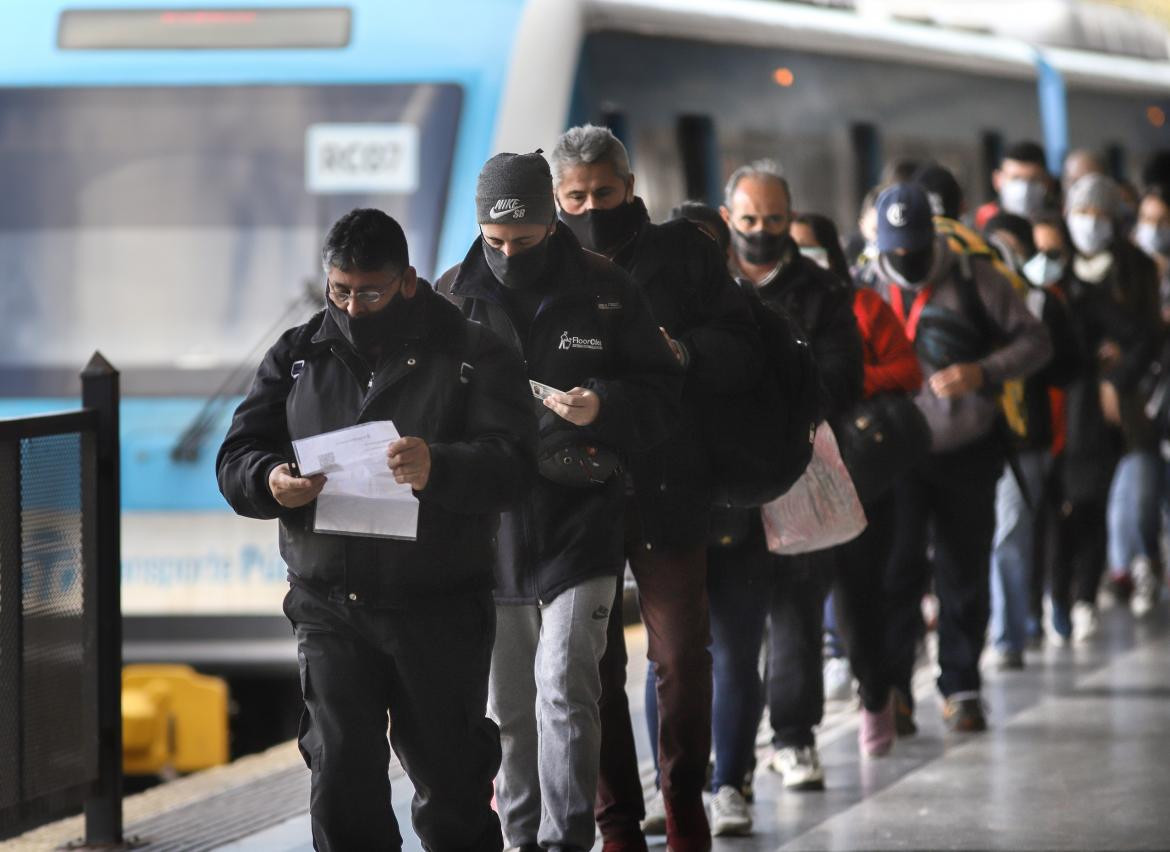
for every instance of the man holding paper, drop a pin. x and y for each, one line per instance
(389, 540)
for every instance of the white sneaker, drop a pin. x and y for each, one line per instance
(838, 679)
(655, 821)
(1146, 588)
(1084, 621)
(730, 815)
(800, 767)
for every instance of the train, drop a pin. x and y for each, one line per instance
(168, 171)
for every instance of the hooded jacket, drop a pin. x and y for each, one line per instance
(592, 329)
(684, 278)
(459, 389)
(1016, 346)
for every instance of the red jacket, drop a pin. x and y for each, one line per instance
(890, 362)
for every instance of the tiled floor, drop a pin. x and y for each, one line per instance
(1077, 757)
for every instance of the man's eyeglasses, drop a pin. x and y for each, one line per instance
(365, 297)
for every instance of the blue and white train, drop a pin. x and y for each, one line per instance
(167, 172)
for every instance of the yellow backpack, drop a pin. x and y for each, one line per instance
(967, 242)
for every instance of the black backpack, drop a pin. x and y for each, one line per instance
(760, 442)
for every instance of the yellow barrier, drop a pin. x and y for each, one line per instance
(172, 718)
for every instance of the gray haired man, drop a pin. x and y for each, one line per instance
(707, 322)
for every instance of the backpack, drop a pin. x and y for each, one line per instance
(761, 441)
(968, 244)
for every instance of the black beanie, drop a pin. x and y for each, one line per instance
(515, 189)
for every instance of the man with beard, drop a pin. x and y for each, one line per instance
(609, 385)
(708, 324)
(388, 626)
(790, 590)
(971, 333)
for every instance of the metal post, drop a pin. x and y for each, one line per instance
(11, 632)
(103, 810)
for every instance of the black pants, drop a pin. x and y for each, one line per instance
(859, 600)
(795, 676)
(427, 666)
(949, 502)
(1080, 552)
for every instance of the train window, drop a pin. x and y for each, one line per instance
(867, 157)
(616, 121)
(200, 205)
(203, 29)
(1115, 161)
(990, 155)
(700, 157)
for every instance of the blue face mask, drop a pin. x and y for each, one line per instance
(1043, 270)
(1152, 239)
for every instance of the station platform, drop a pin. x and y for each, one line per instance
(1077, 757)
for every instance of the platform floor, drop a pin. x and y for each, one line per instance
(1077, 757)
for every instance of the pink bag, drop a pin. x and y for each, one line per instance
(821, 509)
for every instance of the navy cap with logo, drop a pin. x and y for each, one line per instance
(904, 218)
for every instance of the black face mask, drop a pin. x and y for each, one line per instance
(759, 248)
(367, 331)
(604, 230)
(520, 271)
(913, 266)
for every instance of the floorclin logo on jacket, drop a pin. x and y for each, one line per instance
(569, 341)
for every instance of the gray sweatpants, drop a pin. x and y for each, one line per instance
(543, 693)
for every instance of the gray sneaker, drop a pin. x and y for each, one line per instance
(655, 821)
(730, 815)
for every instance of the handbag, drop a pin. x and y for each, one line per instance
(881, 438)
(821, 510)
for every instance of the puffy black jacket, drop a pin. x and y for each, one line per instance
(459, 388)
(823, 304)
(684, 277)
(592, 330)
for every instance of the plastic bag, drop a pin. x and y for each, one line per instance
(821, 510)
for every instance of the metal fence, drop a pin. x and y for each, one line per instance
(60, 615)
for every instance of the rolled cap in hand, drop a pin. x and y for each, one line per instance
(904, 218)
(515, 189)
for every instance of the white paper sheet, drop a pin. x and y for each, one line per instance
(360, 495)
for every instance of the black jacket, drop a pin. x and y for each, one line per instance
(460, 389)
(823, 304)
(593, 330)
(1124, 308)
(684, 277)
(1068, 362)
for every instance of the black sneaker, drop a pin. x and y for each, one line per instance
(964, 715)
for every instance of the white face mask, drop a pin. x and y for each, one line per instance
(1090, 234)
(1152, 239)
(817, 255)
(1043, 270)
(1022, 197)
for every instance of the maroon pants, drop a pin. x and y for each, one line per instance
(672, 595)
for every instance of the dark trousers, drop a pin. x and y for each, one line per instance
(1080, 552)
(949, 502)
(859, 599)
(672, 596)
(427, 667)
(795, 673)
